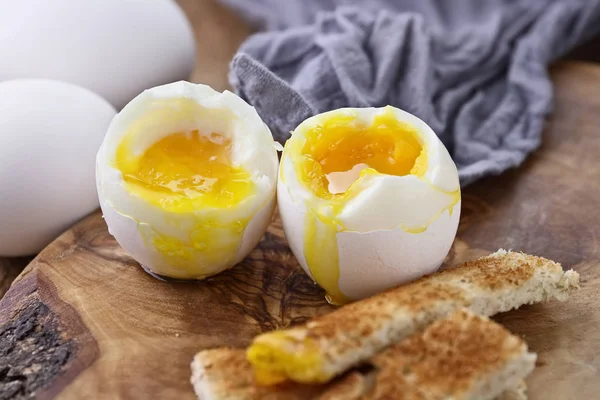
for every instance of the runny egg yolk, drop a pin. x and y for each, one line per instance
(187, 173)
(184, 172)
(385, 146)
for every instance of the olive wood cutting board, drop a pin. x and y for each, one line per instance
(85, 321)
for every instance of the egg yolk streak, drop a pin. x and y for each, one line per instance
(183, 173)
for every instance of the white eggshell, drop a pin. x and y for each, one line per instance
(127, 233)
(49, 135)
(379, 260)
(292, 219)
(375, 261)
(116, 48)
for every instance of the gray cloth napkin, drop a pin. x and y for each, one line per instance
(474, 70)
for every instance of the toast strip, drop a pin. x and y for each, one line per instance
(463, 357)
(327, 346)
(517, 393)
(224, 374)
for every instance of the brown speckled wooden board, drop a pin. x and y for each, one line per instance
(84, 321)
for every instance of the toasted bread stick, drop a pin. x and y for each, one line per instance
(463, 356)
(328, 346)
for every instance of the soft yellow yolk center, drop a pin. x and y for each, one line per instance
(345, 149)
(184, 172)
(191, 174)
(386, 146)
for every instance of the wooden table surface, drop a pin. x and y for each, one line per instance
(87, 322)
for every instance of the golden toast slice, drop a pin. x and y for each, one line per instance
(463, 356)
(327, 346)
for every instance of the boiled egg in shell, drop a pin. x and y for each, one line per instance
(186, 178)
(369, 198)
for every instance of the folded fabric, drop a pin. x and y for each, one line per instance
(474, 70)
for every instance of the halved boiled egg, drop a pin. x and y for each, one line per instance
(369, 199)
(186, 178)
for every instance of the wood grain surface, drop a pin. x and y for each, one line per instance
(85, 321)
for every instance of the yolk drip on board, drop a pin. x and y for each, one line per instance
(184, 173)
(386, 146)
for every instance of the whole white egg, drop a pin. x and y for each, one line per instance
(116, 48)
(187, 179)
(49, 135)
(369, 199)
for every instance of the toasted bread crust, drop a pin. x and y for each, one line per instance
(465, 356)
(457, 355)
(519, 392)
(356, 332)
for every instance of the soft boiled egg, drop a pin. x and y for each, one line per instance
(186, 178)
(369, 199)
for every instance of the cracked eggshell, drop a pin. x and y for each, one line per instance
(375, 261)
(397, 230)
(135, 223)
(127, 232)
